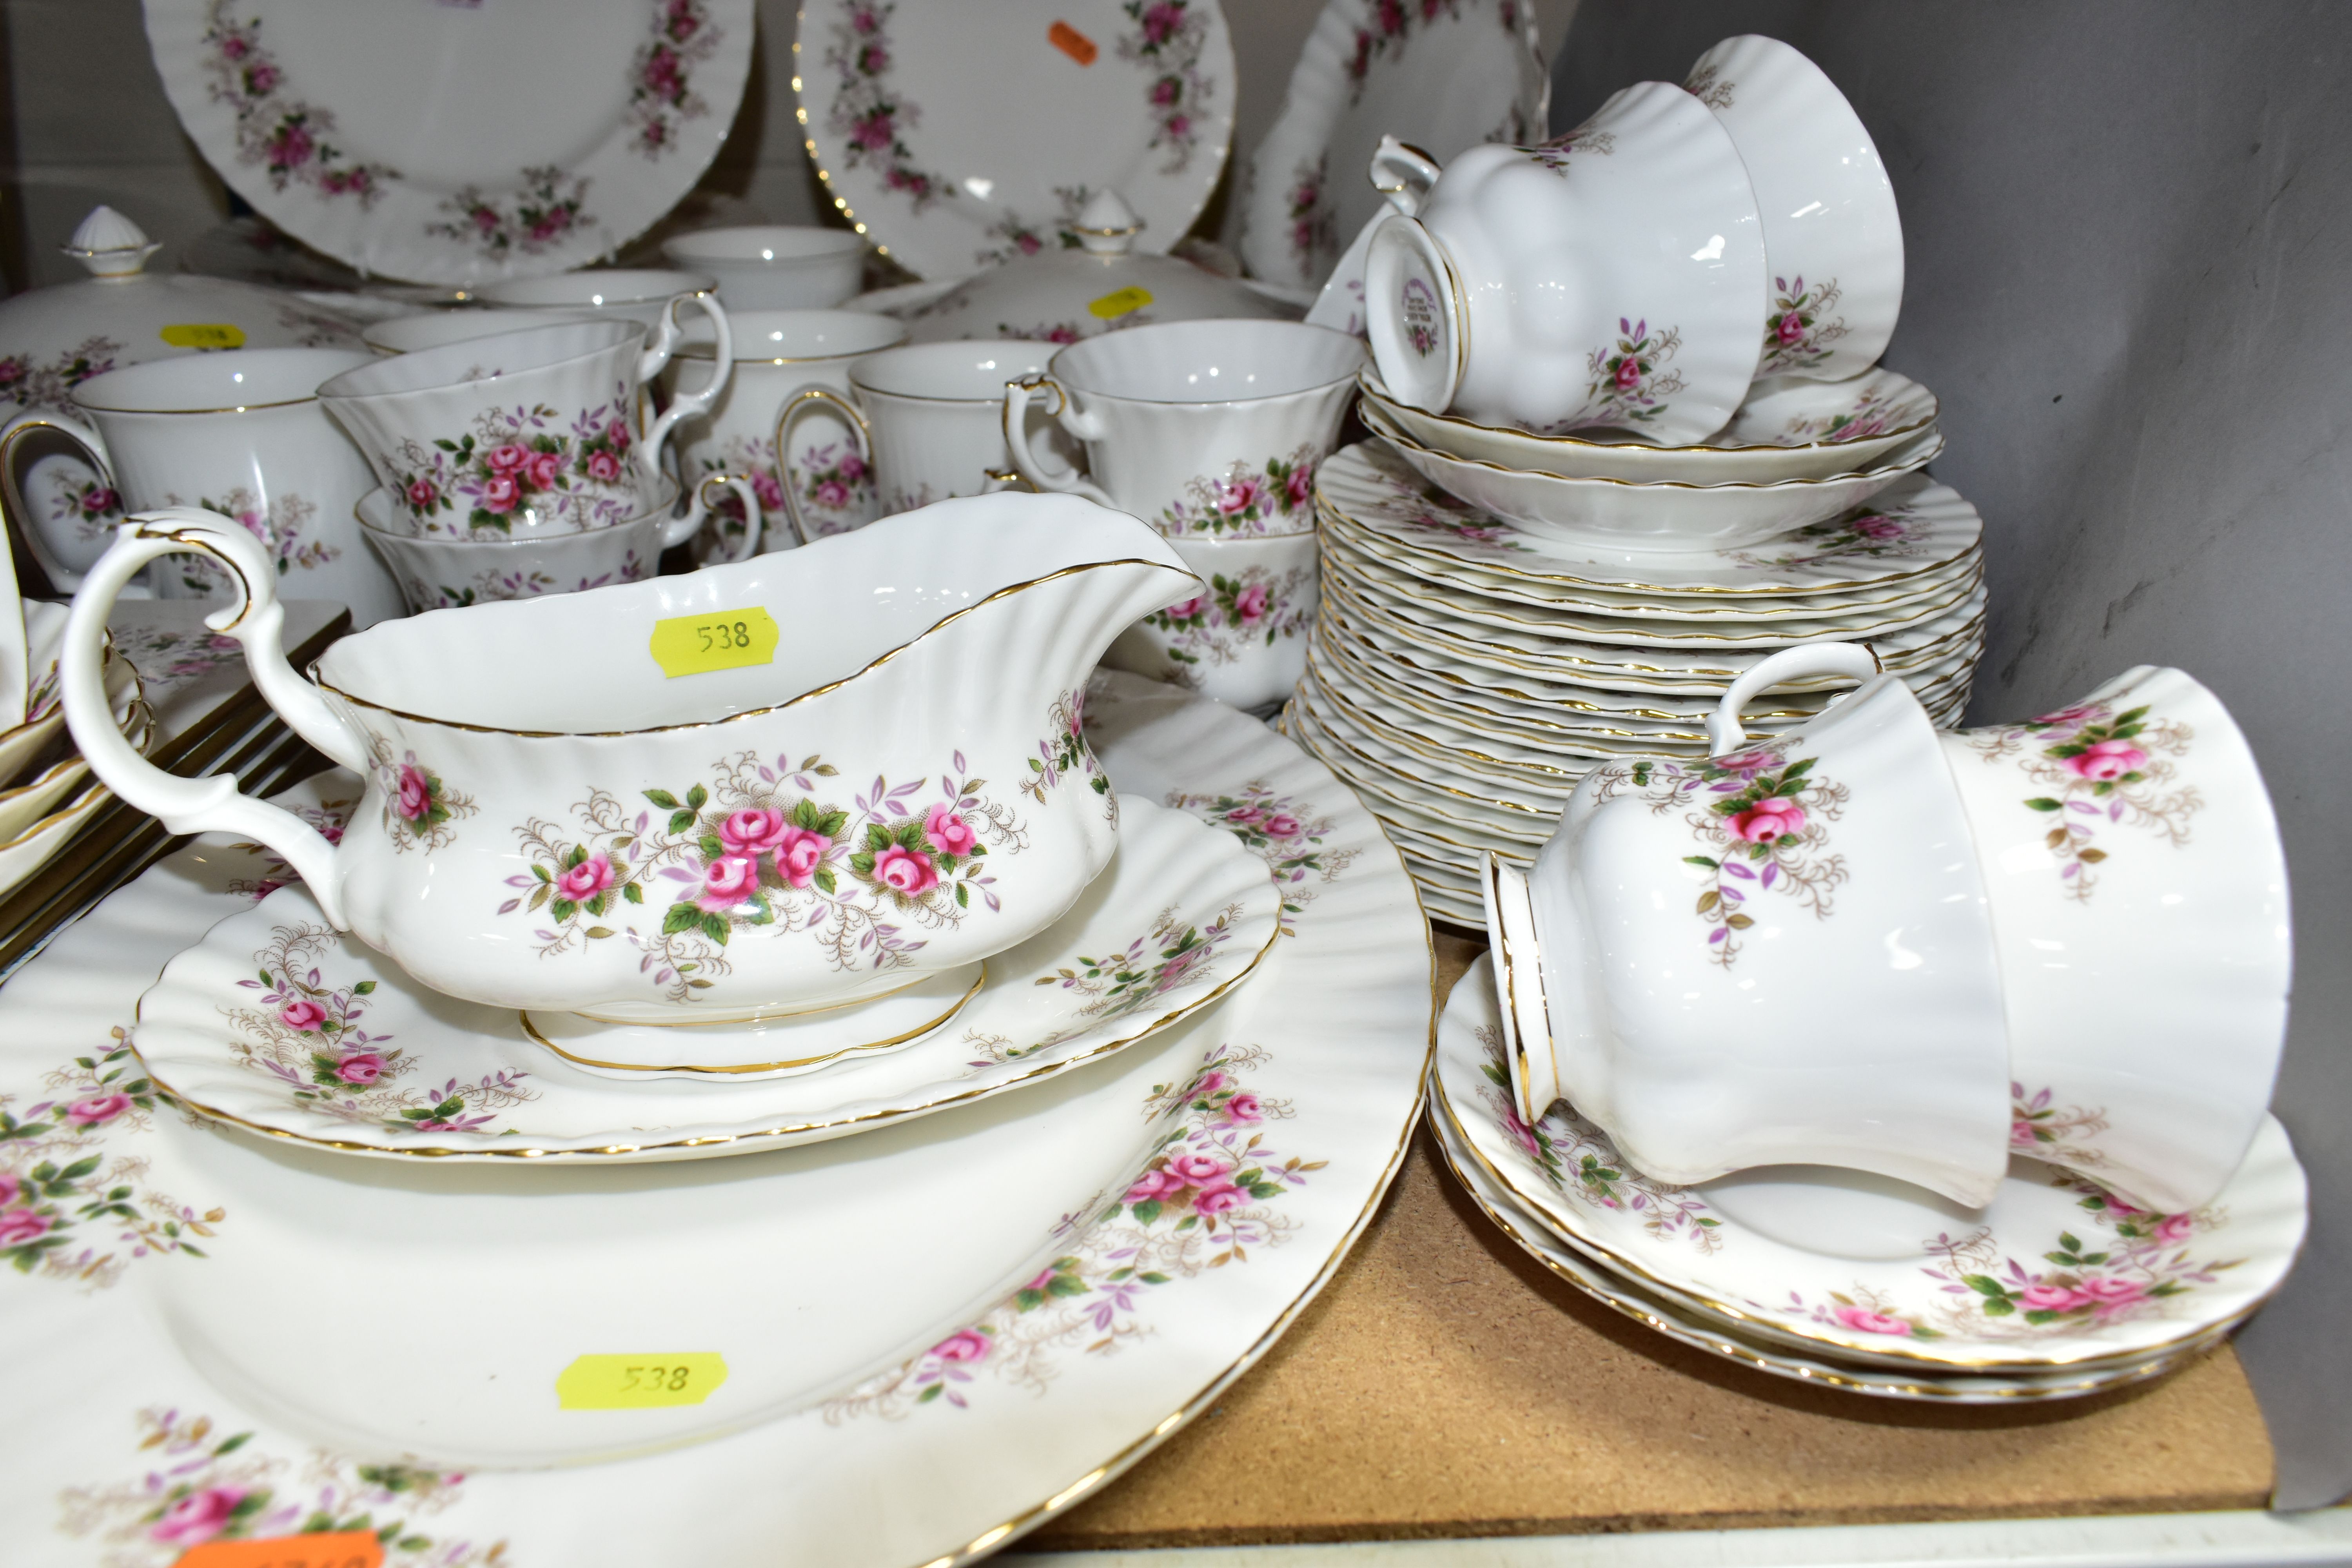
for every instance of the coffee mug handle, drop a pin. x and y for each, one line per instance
(697, 512)
(93, 447)
(801, 401)
(1062, 477)
(205, 805)
(1723, 729)
(687, 405)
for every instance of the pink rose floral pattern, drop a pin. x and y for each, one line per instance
(1209, 1195)
(661, 92)
(1253, 608)
(1286, 833)
(2101, 769)
(541, 213)
(1173, 956)
(418, 807)
(1247, 502)
(308, 1034)
(769, 843)
(279, 526)
(1167, 40)
(1065, 754)
(1313, 231)
(1876, 533)
(1798, 329)
(868, 117)
(73, 1207)
(1763, 817)
(2056, 1135)
(522, 462)
(289, 140)
(1576, 1159)
(1875, 413)
(197, 1482)
(329, 820)
(50, 385)
(1629, 384)
(490, 587)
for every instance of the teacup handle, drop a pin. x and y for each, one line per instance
(1084, 427)
(205, 805)
(93, 446)
(1403, 174)
(697, 512)
(687, 405)
(801, 401)
(1723, 729)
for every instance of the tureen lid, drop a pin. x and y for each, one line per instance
(54, 339)
(1098, 285)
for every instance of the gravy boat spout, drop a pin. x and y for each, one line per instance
(788, 784)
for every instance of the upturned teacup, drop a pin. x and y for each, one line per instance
(803, 780)
(525, 432)
(241, 434)
(774, 267)
(1210, 428)
(779, 356)
(439, 573)
(1778, 955)
(646, 295)
(1614, 276)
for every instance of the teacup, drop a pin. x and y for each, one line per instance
(641, 294)
(780, 354)
(2140, 899)
(526, 432)
(442, 573)
(774, 267)
(242, 433)
(1612, 277)
(931, 416)
(1243, 638)
(1209, 428)
(437, 329)
(1778, 955)
(1832, 235)
(800, 781)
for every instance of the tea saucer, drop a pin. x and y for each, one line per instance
(2054, 1273)
(1677, 1322)
(279, 1024)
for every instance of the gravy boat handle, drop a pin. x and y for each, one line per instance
(1061, 476)
(1724, 732)
(205, 805)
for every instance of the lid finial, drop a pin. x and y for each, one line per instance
(1107, 226)
(109, 245)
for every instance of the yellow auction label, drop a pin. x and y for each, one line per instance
(1119, 302)
(203, 335)
(722, 639)
(640, 1382)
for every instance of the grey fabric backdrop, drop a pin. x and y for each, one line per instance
(2128, 228)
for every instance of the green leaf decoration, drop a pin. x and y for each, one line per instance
(2043, 802)
(663, 798)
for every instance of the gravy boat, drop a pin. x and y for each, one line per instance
(797, 782)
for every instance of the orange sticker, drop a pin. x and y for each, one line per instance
(328, 1549)
(1072, 42)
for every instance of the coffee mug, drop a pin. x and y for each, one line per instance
(442, 573)
(1778, 955)
(774, 267)
(1832, 237)
(2140, 899)
(1243, 638)
(930, 418)
(1612, 277)
(1211, 428)
(241, 434)
(779, 355)
(527, 432)
(646, 295)
(799, 781)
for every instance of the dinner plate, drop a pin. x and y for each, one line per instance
(1009, 1419)
(958, 135)
(278, 1024)
(1442, 78)
(457, 142)
(1678, 1322)
(2054, 1273)
(1910, 528)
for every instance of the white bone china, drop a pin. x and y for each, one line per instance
(774, 267)
(437, 329)
(639, 294)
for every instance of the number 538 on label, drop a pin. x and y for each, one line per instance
(722, 639)
(640, 1382)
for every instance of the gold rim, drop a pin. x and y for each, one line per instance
(1540, 814)
(709, 1140)
(1761, 1358)
(1445, 755)
(954, 1007)
(934, 629)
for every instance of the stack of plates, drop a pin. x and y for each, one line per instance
(47, 795)
(2055, 1288)
(1465, 673)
